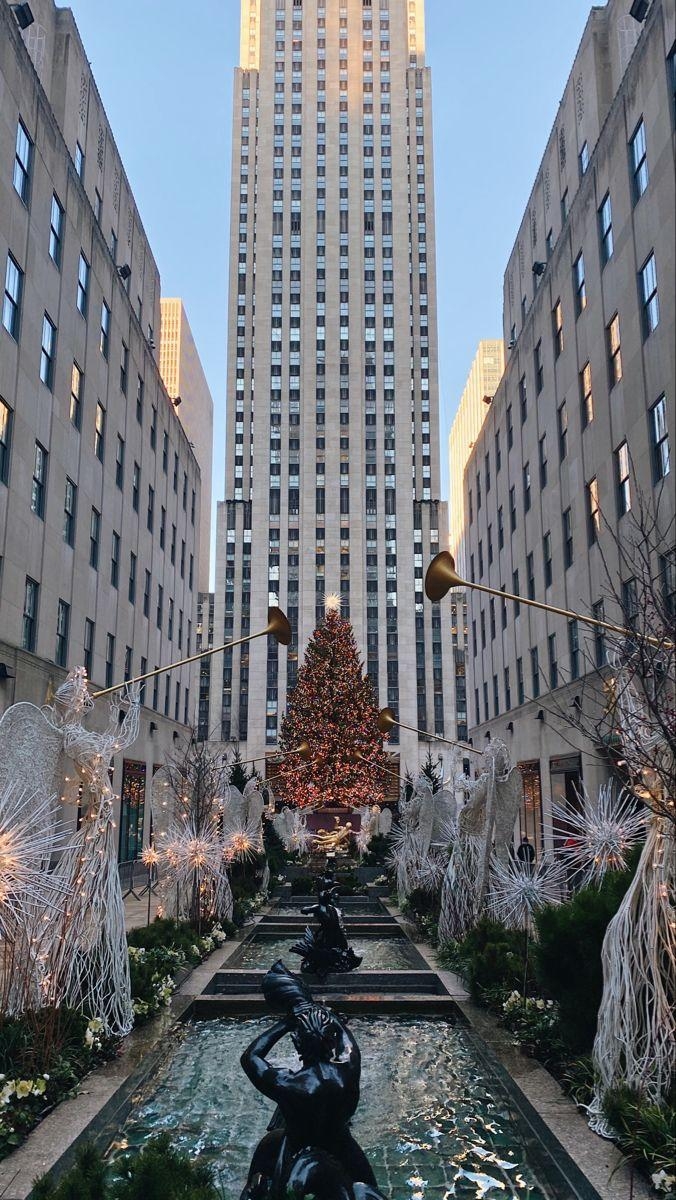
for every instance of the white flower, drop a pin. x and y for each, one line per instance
(24, 1088)
(663, 1182)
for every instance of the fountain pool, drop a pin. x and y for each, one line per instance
(377, 953)
(433, 1119)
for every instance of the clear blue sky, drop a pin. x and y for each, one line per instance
(165, 68)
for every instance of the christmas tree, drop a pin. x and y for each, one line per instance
(333, 707)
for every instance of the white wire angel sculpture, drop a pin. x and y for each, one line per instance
(88, 966)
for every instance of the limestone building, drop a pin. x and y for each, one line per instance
(332, 484)
(99, 487)
(482, 381)
(584, 419)
(183, 377)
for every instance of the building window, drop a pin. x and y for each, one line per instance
(115, 560)
(119, 462)
(520, 690)
(89, 632)
(146, 594)
(56, 230)
(110, 659)
(30, 615)
(606, 229)
(523, 399)
(104, 340)
(539, 369)
(62, 628)
(135, 486)
(5, 440)
(630, 602)
(82, 299)
(535, 672)
(562, 423)
(579, 285)
(622, 479)
(512, 509)
(530, 576)
(649, 298)
(79, 160)
(586, 396)
(94, 538)
(574, 649)
(583, 159)
(69, 512)
(668, 576)
(516, 592)
(140, 387)
(48, 352)
(659, 440)
(639, 161)
(567, 523)
(553, 665)
(547, 558)
(11, 304)
(600, 656)
(593, 511)
(100, 432)
(564, 207)
(76, 390)
(39, 483)
(501, 529)
(542, 450)
(150, 517)
(614, 351)
(526, 487)
(23, 159)
(160, 605)
(510, 428)
(557, 328)
(124, 368)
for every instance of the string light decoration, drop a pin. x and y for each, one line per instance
(635, 1044)
(599, 836)
(28, 894)
(88, 966)
(333, 706)
(195, 884)
(520, 889)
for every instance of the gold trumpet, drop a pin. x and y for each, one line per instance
(278, 627)
(360, 757)
(302, 750)
(387, 721)
(442, 576)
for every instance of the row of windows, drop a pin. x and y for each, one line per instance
(63, 623)
(661, 464)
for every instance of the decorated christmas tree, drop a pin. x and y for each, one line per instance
(332, 707)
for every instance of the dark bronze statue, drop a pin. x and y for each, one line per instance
(325, 949)
(308, 1150)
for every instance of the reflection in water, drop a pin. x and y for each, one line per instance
(434, 1124)
(377, 954)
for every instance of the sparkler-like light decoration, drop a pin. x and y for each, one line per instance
(26, 843)
(599, 836)
(519, 890)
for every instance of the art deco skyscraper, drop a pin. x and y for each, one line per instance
(332, 466)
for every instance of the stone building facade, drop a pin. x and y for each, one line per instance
(584, 418)
(99, 487)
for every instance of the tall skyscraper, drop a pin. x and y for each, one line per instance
(183, 377)
(332, 465)
(482, 381)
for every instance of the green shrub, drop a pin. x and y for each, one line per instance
(157, 1173)
(491, 960)
(567, 955)
(646, 1132)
